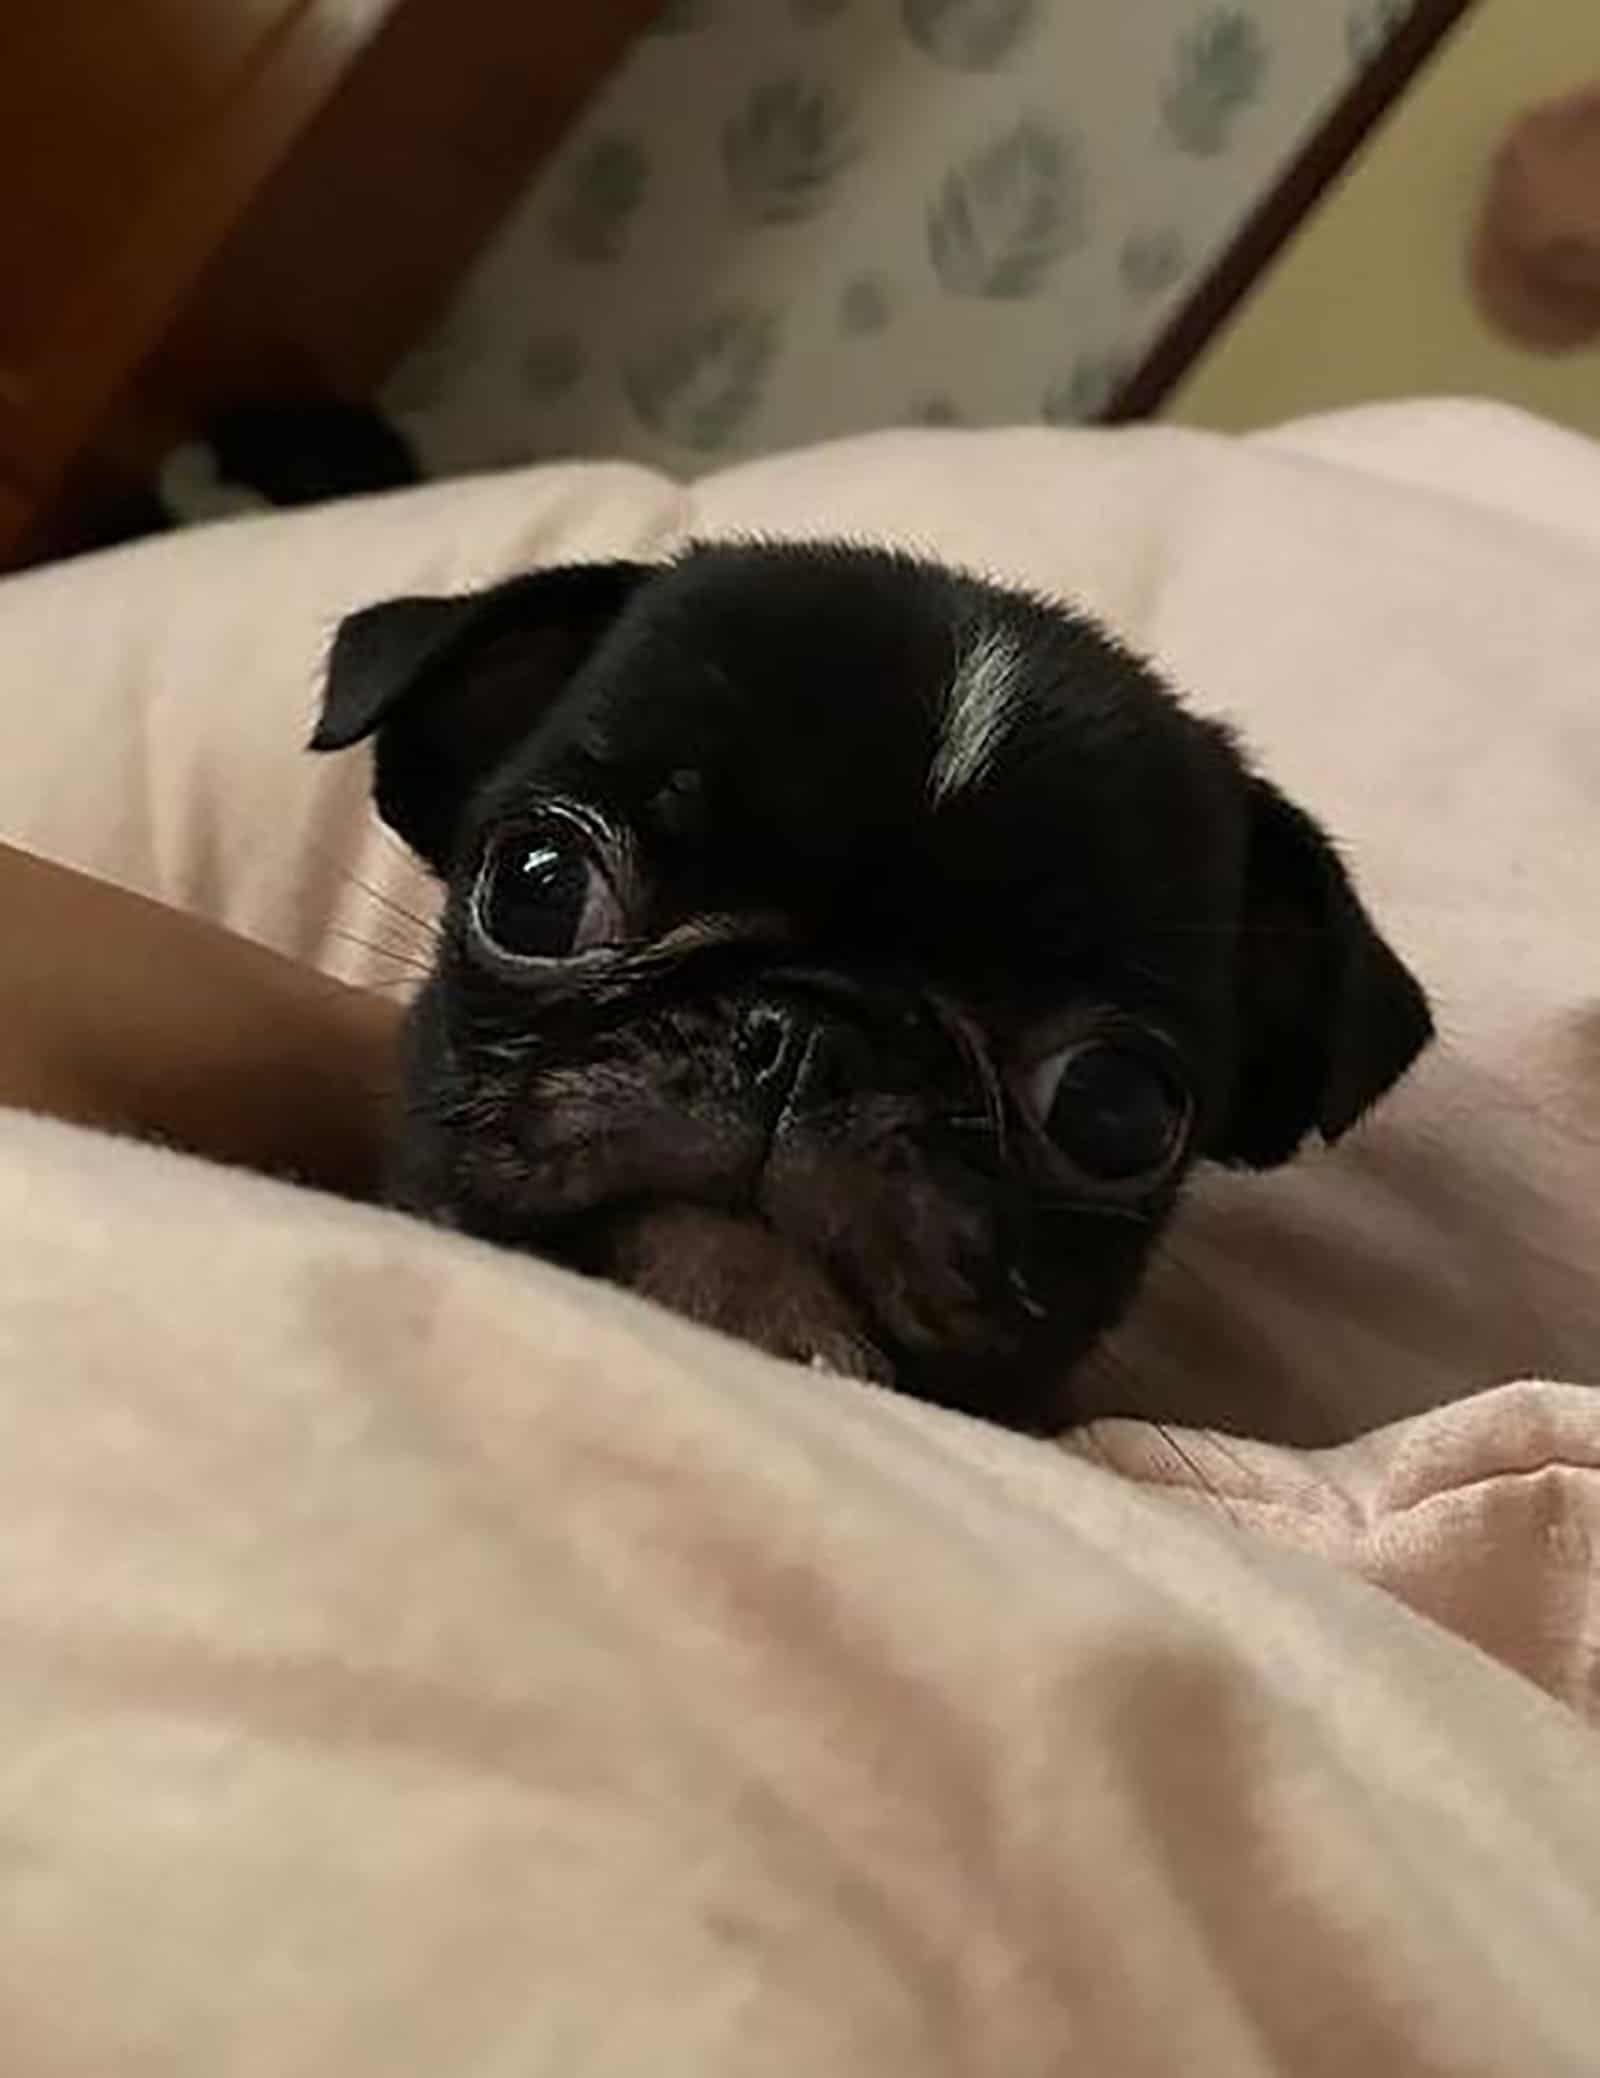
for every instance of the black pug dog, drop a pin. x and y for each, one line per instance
(847, 953)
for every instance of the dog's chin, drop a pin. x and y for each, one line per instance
(741, 1276)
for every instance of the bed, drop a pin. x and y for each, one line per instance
(419, 1660)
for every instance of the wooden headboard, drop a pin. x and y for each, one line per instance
(204, 202)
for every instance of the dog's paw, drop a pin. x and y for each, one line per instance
(740, 1276)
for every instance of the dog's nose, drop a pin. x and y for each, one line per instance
(794, 1057)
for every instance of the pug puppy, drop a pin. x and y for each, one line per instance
(849, 953)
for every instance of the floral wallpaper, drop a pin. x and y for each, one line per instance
(785, 219)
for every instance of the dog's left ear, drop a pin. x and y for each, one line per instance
(1329, 1018)
(451, 685)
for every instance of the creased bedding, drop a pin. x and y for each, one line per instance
(415, 1660)
(418, 1662)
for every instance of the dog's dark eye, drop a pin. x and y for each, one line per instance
(542, 896)
(1115, 1111)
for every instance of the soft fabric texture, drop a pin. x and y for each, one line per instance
(418, 1660)
(1484, 1515)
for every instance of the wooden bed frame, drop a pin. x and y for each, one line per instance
(213, 201)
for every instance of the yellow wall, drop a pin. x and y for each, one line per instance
(1370, 299)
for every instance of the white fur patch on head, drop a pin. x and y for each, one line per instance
(984, 694)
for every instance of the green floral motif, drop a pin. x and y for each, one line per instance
(783, 149)
(551, 365)
(1370, 24)
(1222, 62)
(1151, 262)
(936, 410)
(1085, 390)
(697, 386)
(604, 191)
(674, 16)
(865, 306)
(1006, 216)
(972, 35)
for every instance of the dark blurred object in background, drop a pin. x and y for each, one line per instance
(257, 456)
(300, 454)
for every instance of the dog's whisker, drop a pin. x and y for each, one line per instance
(1121, 1368)
(1108, 1359)
(341, 865)
(1219, 1442)
(428, 928)
(401, 956)
(1196, 1470)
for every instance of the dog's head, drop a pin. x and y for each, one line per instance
(849, 953)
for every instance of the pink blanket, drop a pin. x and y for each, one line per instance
(417, 1661)
(1483, 1515)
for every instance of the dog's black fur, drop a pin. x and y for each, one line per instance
(923, 940)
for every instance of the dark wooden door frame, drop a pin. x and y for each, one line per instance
(1320, 161)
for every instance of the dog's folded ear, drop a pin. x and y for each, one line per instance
(451, 685)
(1329, 1018)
